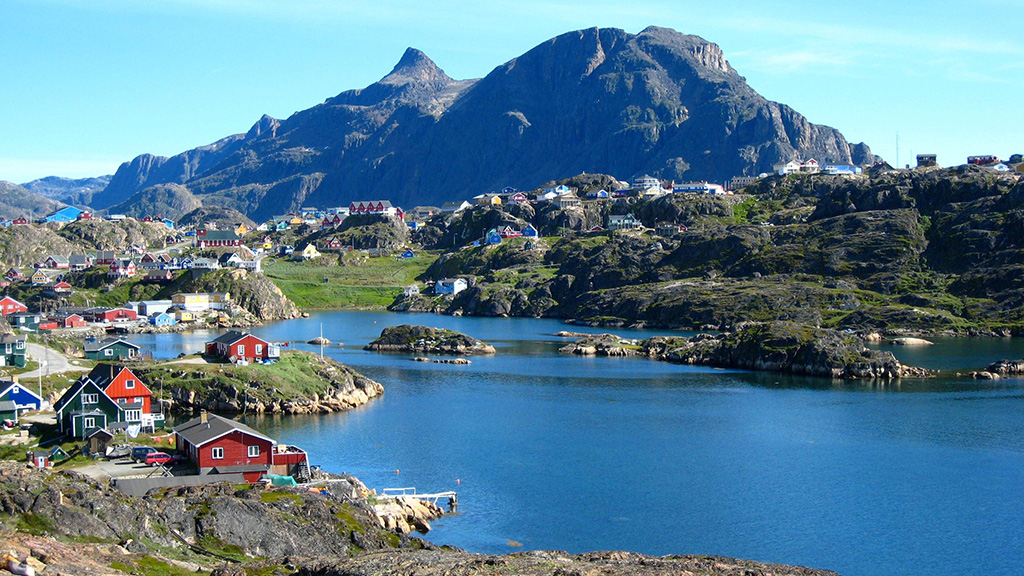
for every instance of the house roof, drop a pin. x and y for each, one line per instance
(12, 338)
(73, 391)
(233, 336)
(24, 389)
(98, 432)
(198, 433)
(97, 345)
(7, 406)
(59, 259)
(104, 374)
(239, 469)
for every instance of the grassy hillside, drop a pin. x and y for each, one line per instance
(352, 280)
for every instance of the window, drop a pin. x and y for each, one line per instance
(90, 398)
(241, 350)
(254, 451)
(89, 422)
(129, 384)
(217, 453)
(258, 349)
(108, 352)
(133, 415)
(15, 389)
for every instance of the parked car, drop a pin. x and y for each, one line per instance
(139, 453)
(164, 458)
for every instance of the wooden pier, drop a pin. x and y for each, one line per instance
(392, 493)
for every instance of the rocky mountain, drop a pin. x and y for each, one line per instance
(598, 100)
(17, 201)
(76, 191)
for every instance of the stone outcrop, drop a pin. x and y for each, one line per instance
(408, 338)
(601, 345)
(405, 514)
(1006, 367)
(783, 347)
(547, 563)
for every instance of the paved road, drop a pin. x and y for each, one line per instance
(55, 362)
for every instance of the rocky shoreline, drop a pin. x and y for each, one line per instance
(69, 524)
(423, 339)
(772, 346)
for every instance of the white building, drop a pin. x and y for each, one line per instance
(622, 222)
(450, 286)
(700, 188)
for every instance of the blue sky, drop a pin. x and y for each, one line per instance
(87, 85)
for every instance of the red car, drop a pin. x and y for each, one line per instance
(154, 458)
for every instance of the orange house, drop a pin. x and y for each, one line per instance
(124, 388)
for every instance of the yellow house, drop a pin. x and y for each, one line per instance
(296, 221)
(310, 252)
(184, 316)
(241, 228)
(191, 301)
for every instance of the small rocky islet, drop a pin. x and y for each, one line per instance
(423, 339)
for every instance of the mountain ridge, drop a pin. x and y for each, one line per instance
(597, 100)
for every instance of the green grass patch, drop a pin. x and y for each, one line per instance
(150, 567)
(35, 524)
(213, 544)
(276, 495)
(361, 282)
(349, 519)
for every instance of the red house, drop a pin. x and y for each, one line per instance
(73, 321)
(236, 345)
(9, 305)
(20, 220)
(101, 314)
(123, 387)
(217, 445)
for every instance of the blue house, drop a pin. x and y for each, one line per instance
(530, 231)
(21, 398)
(68, 214)
(493, 237)
(408, 254)
(595, 194)
(162, 319)
(168, 222)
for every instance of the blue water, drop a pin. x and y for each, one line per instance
(557, 452)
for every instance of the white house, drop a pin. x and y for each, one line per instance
(622, 222)
(450, 286)
(700, 188)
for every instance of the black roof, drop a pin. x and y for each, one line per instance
(197, 432)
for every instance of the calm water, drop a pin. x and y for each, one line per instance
(558, 452)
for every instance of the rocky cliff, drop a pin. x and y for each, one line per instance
(598, 100)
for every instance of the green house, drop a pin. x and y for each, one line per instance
(12, 350)
(84, 408)
(111, 349)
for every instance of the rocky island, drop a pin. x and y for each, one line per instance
(408, 338)
(770, 346)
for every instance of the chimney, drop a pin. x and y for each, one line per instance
(203, 419)
(14, 379)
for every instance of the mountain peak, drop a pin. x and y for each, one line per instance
(415, 66)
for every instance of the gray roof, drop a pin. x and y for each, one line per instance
(197, 433)
(8, 406)
(12, 338)
(97, 345)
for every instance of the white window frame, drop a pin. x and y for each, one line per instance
(258, 349)
(241, 350)
(90, 398)
(217, 453)
(88, 422)
(129, 384)
(253, 451)
(133, 415)
(108, 351)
